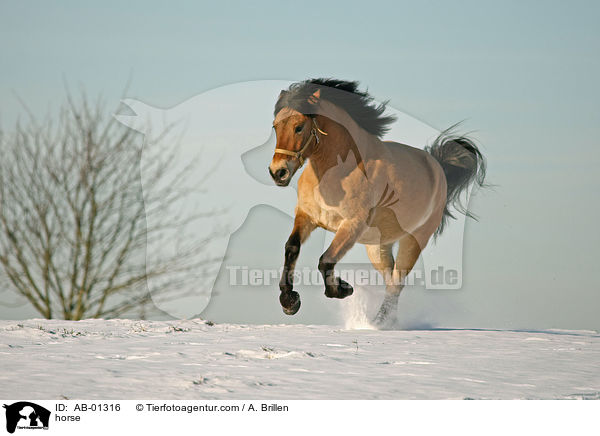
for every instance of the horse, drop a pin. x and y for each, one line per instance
(362, 188)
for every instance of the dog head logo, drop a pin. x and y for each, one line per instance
(26, 415)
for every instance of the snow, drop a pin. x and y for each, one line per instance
(192, 359)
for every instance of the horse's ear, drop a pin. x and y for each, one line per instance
(315, 97)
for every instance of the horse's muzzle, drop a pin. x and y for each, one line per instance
(282, 176)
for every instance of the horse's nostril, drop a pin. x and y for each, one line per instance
(281, 174)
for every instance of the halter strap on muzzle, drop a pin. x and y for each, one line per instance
(299, 154)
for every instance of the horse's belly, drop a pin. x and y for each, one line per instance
(371, 236)
(381, 235)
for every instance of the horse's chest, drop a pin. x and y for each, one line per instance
(331, 199)
(329, 220)
(324, 214)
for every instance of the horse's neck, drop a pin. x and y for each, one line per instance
(344, 135)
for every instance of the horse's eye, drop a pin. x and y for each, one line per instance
(299, 128)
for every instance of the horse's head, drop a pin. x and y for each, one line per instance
(298, 137)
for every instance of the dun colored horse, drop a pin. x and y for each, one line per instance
(363, 189)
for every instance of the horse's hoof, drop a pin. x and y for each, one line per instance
(290, 302)
(386, 322)
(387, 315)
(380, 319)
(342, 290)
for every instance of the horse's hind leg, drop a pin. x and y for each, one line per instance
(303, 227)
(382, 259)
(408, 253)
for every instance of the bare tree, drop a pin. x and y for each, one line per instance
(73, 233)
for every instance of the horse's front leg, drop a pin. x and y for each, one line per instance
(345, 237)
(303, 227)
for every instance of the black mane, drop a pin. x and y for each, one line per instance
(359, 104)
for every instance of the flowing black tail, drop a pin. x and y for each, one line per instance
(463, 164)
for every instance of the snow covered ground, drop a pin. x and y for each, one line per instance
(125, 359)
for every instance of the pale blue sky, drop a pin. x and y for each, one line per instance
(523, 74)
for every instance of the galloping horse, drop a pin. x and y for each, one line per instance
(361, 188)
